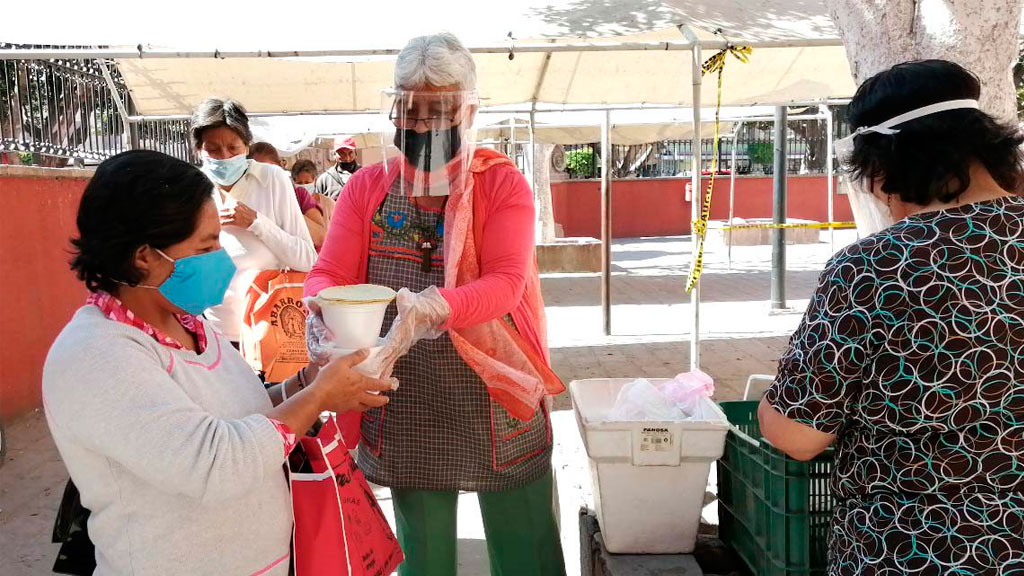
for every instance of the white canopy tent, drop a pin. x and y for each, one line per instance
(327, 57)
(564, 52)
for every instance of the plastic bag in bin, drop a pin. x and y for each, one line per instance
(674, 400)
(687, 389)
(642, 401)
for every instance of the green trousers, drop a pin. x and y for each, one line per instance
(522, 535)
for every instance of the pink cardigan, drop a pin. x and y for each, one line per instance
(503, 222)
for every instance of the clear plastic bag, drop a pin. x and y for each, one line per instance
(641, 401)
(674, 400)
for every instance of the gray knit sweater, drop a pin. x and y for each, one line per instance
(170, 451)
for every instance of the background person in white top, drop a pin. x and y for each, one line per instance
(265, 153)
(331, 182)
(263, 228)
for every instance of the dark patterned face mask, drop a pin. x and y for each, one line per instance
(431, 150)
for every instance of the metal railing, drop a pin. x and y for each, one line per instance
(56, 111)
(171, 137)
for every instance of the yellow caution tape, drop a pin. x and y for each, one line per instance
(836, 225)
(715, 64)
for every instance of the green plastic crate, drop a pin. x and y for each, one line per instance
(773, 511)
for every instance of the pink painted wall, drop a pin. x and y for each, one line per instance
(38, 291)
(659, 207)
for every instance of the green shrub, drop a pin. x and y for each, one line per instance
(762, 153)
(580, 162)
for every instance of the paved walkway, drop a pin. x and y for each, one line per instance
(651, 316)
(651, 339)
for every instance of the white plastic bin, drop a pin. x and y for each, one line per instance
(649, 478)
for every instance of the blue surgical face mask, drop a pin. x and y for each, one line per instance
(197, 282)
(225, 172)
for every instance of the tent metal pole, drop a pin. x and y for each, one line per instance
(830, 172)
(778, 291)
(695, 203)
(121, 110)
(142, 52)
(732, 190)
(512, 141)
(772, 118)
(540, 80)
(636, 108)
(606, 222)
(483, 110)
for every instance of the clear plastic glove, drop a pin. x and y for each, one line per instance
(420, 317)
(318, 336)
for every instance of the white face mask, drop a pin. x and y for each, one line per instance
(311, 188)
(227, 171)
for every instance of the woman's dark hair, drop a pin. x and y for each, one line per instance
(135, 199)
(264, 149)
(304, 166)
(214, 113)
(930, 157)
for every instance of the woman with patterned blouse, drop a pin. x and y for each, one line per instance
(911, 354)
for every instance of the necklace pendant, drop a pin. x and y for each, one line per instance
(427, 264)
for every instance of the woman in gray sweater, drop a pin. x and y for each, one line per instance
(174, 444)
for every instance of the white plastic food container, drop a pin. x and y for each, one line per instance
(649, 478)
(368, 367)
(355, 314)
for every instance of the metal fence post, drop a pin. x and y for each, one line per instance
(606, 222)
(779, 211)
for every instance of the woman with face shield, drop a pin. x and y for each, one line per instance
(910, 357)
(450, 226)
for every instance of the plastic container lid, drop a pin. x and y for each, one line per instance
(358, 294)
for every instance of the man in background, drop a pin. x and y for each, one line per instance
(331, 182)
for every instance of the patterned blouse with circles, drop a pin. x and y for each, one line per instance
(912, 353)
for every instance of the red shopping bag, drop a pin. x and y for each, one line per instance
(351, 427)
(339, 527)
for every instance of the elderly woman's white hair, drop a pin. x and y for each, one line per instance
(435, 60)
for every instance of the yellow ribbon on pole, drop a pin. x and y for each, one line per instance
(713, 65)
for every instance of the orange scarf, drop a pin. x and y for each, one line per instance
(517, 374)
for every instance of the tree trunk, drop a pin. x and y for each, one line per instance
(627, 160)
(813, 134)
(979, 35)
(542, 181)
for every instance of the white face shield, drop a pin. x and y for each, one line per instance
(871, 214)
(435, 137)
